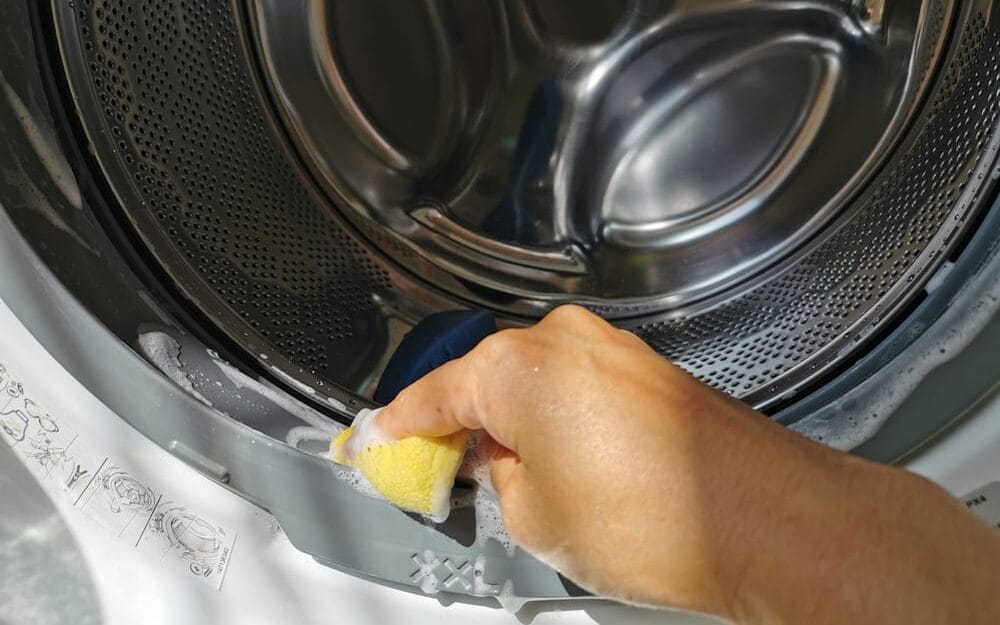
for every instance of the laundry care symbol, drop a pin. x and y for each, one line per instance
(76, 475)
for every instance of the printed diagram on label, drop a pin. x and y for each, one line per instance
(13, 420)
(119, 502)
(180, 536)
(33, 432)
(109, 493)
(47, 453)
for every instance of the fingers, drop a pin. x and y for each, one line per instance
(472, 392)
(486, 388)
(440, 403)
(504, 465)
(524, 512)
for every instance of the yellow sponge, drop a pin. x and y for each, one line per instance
(414, 473)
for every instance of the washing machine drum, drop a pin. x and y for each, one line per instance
(754, 190)
(780, 197)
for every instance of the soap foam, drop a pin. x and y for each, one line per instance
(163, 351)
(320, 428)
(475, 465)
(357, 481)
(508, 600)
(429, 583)
(297, 436)
(305, 388)
(859, 414)
(280, 398)
(479, 584)
(366, 433)
(503, 593)
(489, 522)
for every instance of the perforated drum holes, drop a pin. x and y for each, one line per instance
(747, 345)
(174, 92)
(167, 93)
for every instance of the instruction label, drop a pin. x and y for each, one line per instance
(985, 503)
(129, 504)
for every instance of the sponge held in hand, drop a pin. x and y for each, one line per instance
(415, 473)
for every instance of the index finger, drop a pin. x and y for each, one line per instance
(445, 401)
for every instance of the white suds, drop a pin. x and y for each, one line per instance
(476, 463)
(489, 522)
(354, 479)
(508, 600)
(307, 433)
(504, 594)
(856, 417)
(305, 388)
(429, 583)
(164, 352)
(319, 430)
(366, 434)
(282, 399)
(479, 585)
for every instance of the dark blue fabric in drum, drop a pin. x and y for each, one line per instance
(434, 341)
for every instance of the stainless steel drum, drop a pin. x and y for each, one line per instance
(754, 187)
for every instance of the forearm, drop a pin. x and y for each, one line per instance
(872, 544)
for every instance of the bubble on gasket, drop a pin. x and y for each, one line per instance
(489, 522)
(859, 414)
(165, 353)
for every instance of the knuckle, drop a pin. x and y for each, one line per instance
(571, 313)
(500, 347)
(632, 338)
(404, 397)
(577, 319)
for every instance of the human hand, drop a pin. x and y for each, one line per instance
(639, 482)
